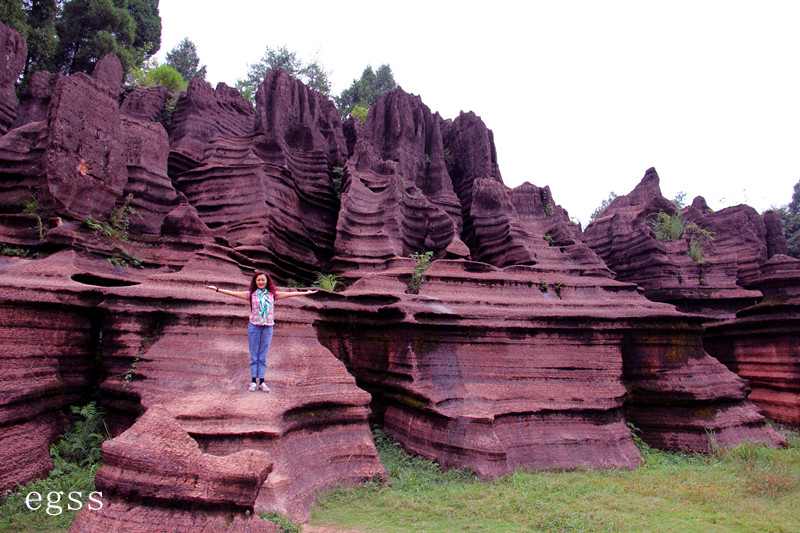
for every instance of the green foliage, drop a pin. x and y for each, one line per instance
(423, 263)
(152, 74)
(116, 229)
(746, 488)
(557, 286)
(145, 15)
(286, 524)
(183, 58)
(328, 282)
(41, 36)
(90, 29)
(71, 36)
(12, 250)
(292, 283)
(543, 286)
(30, 206)
(366, 90)
(549, 239)
(790, 218)
(360, 112)
(671, 227)
(603, 206)
(337, 175)
(548, 210)
(680, 200)
(76, 457)
(80, 445)
(312, 74)
(14, 16)
(699, 240)
(667, 227)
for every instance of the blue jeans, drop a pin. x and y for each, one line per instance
(259, 338)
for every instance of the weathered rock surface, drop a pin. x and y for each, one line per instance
(762, 344)
(623, 236)
(12, 61)
(145, 103)
(35, 101)
(532, 356)
(171, 346)
(201, 115)
(108, 71)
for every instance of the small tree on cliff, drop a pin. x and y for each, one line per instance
(312, 74)
(183, 58)
(366, 91)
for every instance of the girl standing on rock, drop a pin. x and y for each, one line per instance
(262, 295)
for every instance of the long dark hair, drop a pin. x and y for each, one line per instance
(270, 284)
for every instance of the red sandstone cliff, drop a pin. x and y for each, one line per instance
(519, 350)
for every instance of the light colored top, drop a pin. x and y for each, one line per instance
(262, 304)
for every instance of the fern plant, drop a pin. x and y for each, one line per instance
(80, 445)
(328, 282)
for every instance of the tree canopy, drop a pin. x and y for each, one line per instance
(148, 26)
(312, 74)
(183, 58)
(790, 217)
(72, 35)
(366, 91)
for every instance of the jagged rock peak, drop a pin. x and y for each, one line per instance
(109, 71)
(298, 117)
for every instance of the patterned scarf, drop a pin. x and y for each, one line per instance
(263, 302)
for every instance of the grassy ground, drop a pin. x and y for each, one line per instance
(748, 489)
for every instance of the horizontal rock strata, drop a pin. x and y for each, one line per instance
(534, 372)
(310, 433)
(713, 285)
(762, 344)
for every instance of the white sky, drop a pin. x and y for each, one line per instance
(583, 96)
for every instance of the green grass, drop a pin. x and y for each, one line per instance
(76, 458)
(748, 488)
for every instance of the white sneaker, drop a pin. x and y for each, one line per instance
(252, 387)
(263, 387)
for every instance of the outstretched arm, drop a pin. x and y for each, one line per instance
(280, 295)
(237, 294)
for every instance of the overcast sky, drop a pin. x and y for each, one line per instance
(583, 96)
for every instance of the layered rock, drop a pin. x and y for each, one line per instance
(12, 61)
(146, 103)
(534, 356)
(397, 197)
(542, 370)
(201, 115)
(762, 344)
(170, 345)
(710, 283)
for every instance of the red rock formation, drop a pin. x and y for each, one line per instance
(12, 61)
(533, 357)
(624, 237)
(108, 71)
(36, 100)
(83, 178)
(762, 344)
(201, 115)
(208, 436)
(145, 103)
